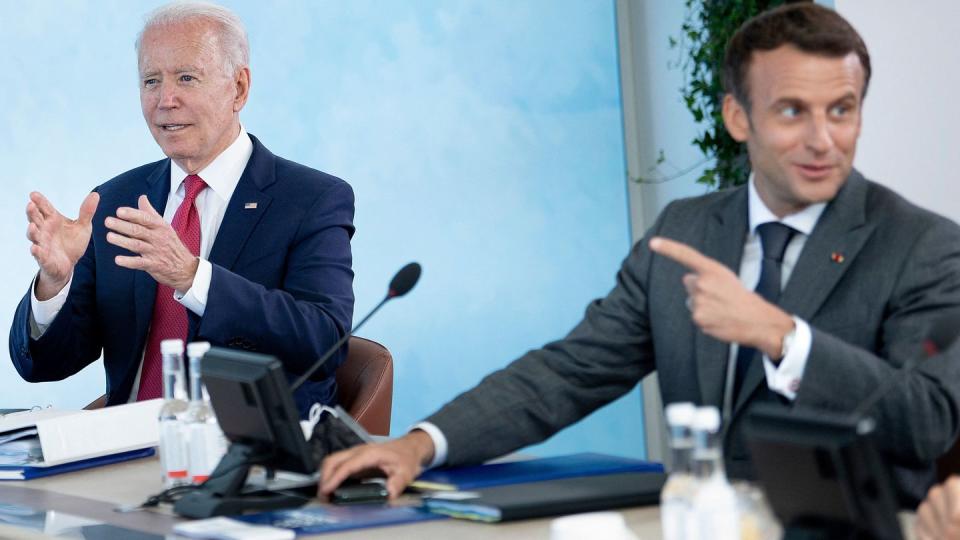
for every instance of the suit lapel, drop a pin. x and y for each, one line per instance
(833, 245)
(246, 206)
(831, 249)
(157, 189)
(723, 241)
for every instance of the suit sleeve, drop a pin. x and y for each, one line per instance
(71, 342)
(313, 306)
(601, 359)
(919, 418)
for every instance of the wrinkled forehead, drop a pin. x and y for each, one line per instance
(789, 73)
(171, 46)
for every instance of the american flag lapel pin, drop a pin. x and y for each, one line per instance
(249, 206)
(836, 257)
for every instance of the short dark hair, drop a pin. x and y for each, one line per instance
(807, 26)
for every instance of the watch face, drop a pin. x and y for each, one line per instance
(787, 341)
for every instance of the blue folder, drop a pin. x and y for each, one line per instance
(329, 518)
(27, 472)
(535, 470)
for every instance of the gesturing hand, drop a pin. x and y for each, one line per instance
(58, 241)
(161, 253)
(720, 305)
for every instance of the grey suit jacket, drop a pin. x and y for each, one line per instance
(868, 314)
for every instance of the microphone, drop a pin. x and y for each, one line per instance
(943, 333)
(402, 282)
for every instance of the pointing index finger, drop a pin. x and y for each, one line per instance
(683, 254)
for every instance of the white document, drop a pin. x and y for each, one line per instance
(67, 436)
(221, 528)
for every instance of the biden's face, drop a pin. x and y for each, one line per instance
(802, 127)
(190, 103)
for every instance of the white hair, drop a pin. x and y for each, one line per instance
(234, 47)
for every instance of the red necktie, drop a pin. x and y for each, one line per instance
(169, 316)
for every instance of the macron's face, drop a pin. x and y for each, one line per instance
(802, 129)
(191, 106)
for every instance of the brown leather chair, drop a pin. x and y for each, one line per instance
(949, 463)
(97, 403)
(365, 385)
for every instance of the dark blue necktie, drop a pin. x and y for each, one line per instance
(774, 238)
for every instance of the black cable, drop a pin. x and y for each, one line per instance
(171, 495)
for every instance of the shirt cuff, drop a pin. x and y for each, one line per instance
(785, 378)
(195, 299)
(45, 311)
(439, 443)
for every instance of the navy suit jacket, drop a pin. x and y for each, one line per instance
(281, 283)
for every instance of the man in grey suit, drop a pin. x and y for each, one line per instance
(807, 288)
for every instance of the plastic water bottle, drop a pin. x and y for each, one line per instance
(207, 443)
(715, 509)
(173, 444)
(676, 497)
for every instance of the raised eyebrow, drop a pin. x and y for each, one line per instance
(793, 102)
(848, 98)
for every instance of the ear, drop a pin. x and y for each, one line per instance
(735, 118)
(242, 83)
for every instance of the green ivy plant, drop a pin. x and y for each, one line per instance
(707, 27)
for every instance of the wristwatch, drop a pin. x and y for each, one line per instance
(787, 342)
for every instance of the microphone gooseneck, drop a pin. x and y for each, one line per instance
(402, 282)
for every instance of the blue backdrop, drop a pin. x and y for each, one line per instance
(482, 138)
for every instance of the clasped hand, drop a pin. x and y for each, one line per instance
(161, 254)
(721, 306)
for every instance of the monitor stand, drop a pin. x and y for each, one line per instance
(222, 494)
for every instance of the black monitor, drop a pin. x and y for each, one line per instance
(254, 406)
(823, 474)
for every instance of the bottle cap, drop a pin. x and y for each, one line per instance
(680, 414)
(707, 419)
(198, 348)
(171, 346)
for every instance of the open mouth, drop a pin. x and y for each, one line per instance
(173, 127)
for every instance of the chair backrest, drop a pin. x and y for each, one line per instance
(949, 463)
(365, 385)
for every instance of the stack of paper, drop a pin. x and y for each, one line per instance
(50, 441)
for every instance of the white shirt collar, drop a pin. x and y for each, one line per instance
(223, 173)
(803, 221)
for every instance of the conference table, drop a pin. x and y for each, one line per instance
(64, 503)
(93, 494)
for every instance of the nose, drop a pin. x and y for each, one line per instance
(818, 137)
(169, 98)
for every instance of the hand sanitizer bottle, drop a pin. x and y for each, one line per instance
(716, 514)
(173, 444)
(676, 498)
(206, 441)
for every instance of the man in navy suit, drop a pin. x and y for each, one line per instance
(223, 242)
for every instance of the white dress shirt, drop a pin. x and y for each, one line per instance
(784, 378)
(221, 176)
